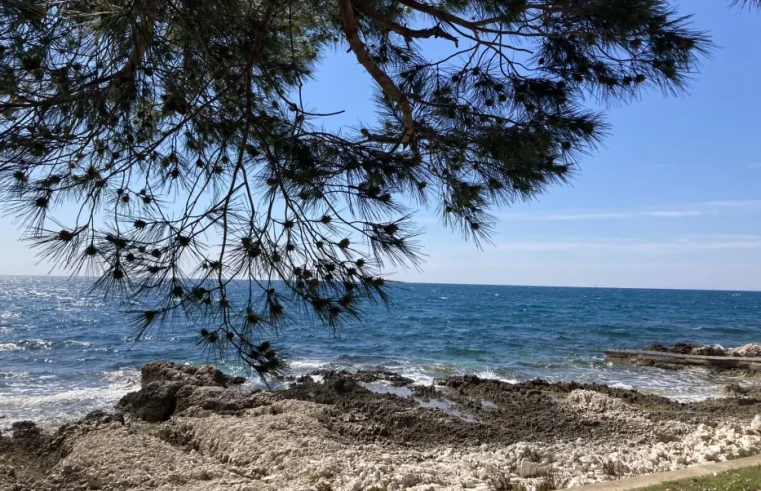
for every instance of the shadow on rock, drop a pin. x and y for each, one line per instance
(168, 389)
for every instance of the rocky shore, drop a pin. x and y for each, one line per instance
(194, 429)
(745, 351)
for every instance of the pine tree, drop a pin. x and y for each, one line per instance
(177, 133)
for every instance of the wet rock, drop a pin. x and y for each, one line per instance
(24, 430)
(425, 392)
(366, 376)
(689, 349)
(102, 417)
(735, 390)
(678, 348)
(708, 350)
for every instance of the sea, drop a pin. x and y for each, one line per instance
(66, 350)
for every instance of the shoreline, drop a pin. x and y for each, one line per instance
(52, 407)
(195, 428)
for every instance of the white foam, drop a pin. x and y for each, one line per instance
(489, 374)
(78, 343)
(128, 376)
(14, 374)
(51, 405)
(37, 343)
(307, 365)
(10, 347)
(619, 385)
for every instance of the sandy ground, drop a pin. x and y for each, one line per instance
(330, 432)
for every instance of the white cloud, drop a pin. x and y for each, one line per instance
(683, 211)
(680, 245)
(672, 214)
(748, 203)
(576, 216)
(602, 215)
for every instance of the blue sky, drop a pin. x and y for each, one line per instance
(671, 200)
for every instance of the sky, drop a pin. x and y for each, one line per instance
(672, 199)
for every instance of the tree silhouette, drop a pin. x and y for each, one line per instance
(165, 147)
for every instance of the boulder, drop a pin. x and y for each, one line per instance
(25, 430)
(749, 350)
(756, 423)
(530, 469)
(205, 375)
(411, 480)
(155, 402)
(709, 350)
(168, 388)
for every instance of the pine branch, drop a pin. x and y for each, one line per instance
(407, 33)
(349, 23)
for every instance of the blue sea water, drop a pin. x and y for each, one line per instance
(65, 351)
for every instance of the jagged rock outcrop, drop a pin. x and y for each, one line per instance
(205, 375)
(748, 350)
(168, 388)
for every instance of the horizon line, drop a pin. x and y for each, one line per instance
(739, 290)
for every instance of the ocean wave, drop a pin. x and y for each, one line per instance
(124, 375)
(78, 343)
(10, 347)
(307, 365)
(52, 404)
(12, 374)
(36, 344)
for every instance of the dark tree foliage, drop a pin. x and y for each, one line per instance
(746, 3)
(164, 146)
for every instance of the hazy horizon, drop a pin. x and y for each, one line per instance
(410, 282)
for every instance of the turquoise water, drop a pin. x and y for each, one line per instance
(64, 352)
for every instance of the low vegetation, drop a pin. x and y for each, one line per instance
(739, 480)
